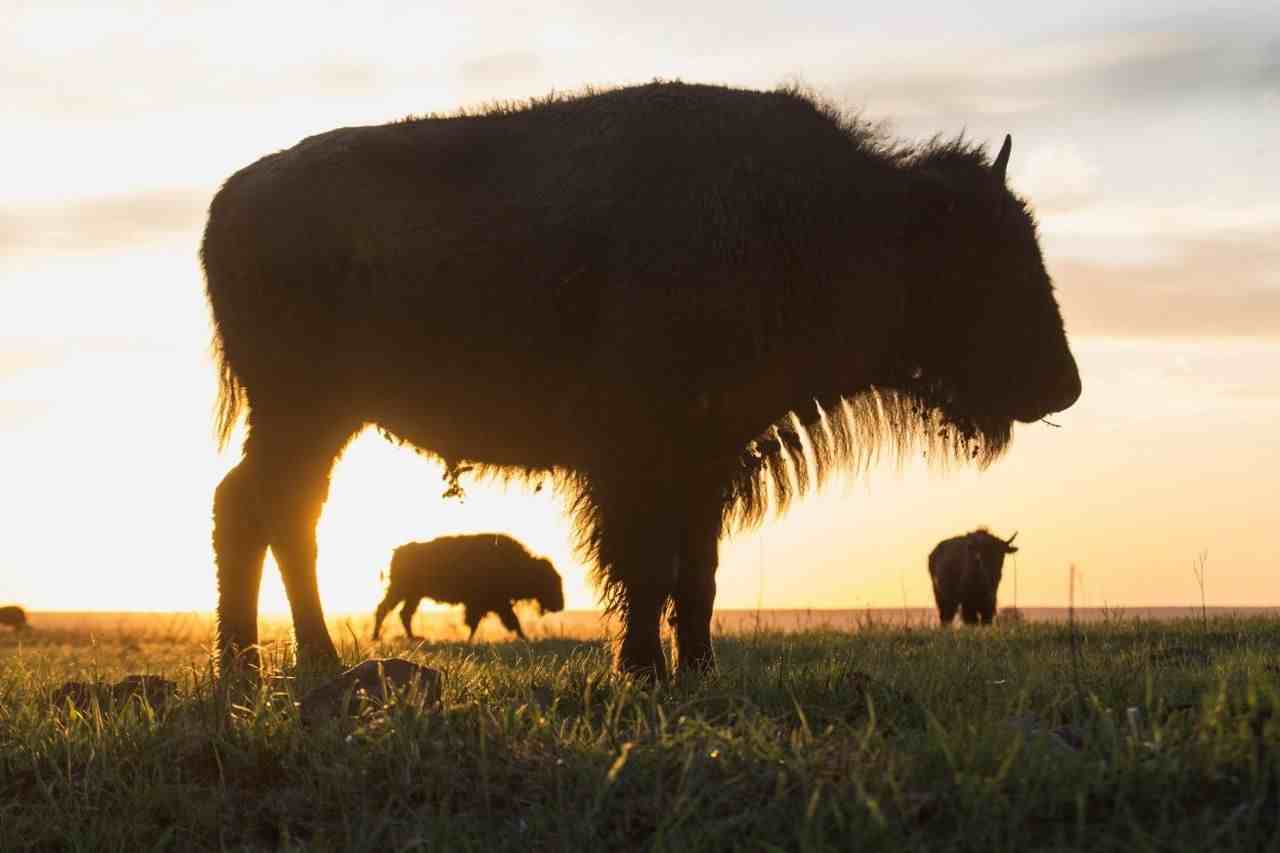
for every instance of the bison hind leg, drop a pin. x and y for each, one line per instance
(407, 613)
(947, 611)
(384, 608)
(290, 451)
(239, 548)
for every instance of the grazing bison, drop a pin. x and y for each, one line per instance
(966, 572)
(485, 573)
(15, 617)
(679, 304)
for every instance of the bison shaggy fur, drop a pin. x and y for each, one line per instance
(485, 573)
(680, 305)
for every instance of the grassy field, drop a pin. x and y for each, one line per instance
(1124, 735)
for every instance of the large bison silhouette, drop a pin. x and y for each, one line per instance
(681, 305)
(966, 572)
(486, 573)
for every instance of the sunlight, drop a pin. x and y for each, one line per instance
(119, 519)
(383, 495)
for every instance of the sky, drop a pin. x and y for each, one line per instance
(1144, 137)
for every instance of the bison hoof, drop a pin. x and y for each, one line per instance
(649, 668)
(696, 668)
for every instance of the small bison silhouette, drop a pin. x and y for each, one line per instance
(966, 572)
(485, 573)
(14, 617)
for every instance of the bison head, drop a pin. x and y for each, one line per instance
(986, 344)
(987, 553)
(551, 595)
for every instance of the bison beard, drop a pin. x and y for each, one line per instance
(682, 305)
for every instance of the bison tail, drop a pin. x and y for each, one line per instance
(231, 398)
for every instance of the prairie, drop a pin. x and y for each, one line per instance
(1120, 733)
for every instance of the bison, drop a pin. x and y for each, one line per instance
(15, 617)
(679, 305)
(485, 573)
(966, 572)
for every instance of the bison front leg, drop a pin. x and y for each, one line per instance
(509, 620)
(640, 652)
(472, 615)
(637, 519)
(639, 569)
(987, 611)
(695, 592)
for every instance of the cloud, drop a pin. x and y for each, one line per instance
(1046, 75)
(1140, 233)
(1212, 288)
(103, 222)
(500, 67)
(1180, 370)
(1057, 176)
(1185, 221)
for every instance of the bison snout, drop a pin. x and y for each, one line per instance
(1062, 396)
(1068, 389)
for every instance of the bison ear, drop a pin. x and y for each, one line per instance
(1011, 549)
(1001, 165)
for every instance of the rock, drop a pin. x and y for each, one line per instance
(152, 689)
(371, 682)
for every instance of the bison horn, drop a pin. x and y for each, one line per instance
(1009, 541)
(1002, 159)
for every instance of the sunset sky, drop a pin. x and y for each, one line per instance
(1145, 136)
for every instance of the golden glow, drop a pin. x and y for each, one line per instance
(384, 495)
(110, 471)
(121, 127)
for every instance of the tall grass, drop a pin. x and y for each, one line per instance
(888, 739)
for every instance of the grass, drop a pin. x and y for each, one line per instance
(886, 739)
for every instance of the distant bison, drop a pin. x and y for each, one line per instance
(14, 617)
(966, 572)
(485, 573)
